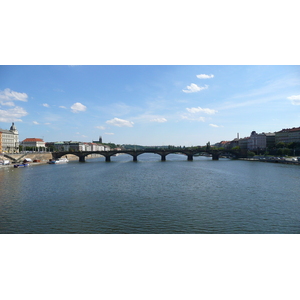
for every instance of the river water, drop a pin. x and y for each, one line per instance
(151, 196)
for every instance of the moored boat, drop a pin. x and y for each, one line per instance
(58, 161)
(21, 165)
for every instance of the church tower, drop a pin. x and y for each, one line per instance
(100, 139)
(15, 138)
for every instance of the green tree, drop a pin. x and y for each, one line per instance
(280, 145)
(250, 154)
(208, 146)
(236, 148)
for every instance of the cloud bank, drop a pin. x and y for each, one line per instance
(13, 114)
(207, 111)
(194, 88)
(119, 122)
(9, 95)
(295, 100)
(159, 120)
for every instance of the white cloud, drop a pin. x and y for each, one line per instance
(109, 133)
(194, 113)
(194, 88)
(295, 99)
(120, 123)
(159, 120)
(10, 95)
(204, 76)
(35, 122)
(78, 107)
(214, 125)
(100, 127)
(62, 107)
(207, 111)
(9, 103)
(13, 114)
(192, 117)
(46, 105)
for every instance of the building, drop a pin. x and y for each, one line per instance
(100, 140)
(60, 146)
(243, 143)
(288, 135)
(98, 146)
(257, 141)
(234, 143)
(76, 146)
(9, 140)
(222, 144)
(34, 144)
(270, 139)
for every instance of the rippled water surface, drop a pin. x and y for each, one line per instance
(150, 196)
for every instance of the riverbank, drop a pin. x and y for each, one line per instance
(39, 158)
(290, 161)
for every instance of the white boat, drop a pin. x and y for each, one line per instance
(58, 161)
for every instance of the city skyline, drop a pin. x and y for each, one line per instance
(148, 105)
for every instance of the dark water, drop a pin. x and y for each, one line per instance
(150, 196)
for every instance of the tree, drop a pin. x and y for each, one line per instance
(280, 145)
(236, 148)
(208, 146)
(250, 154)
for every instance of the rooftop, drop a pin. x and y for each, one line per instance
(32, 140)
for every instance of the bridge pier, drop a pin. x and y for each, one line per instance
(163, 157)
(135, 158)
(82, 158)
(190, 158)
(215, 156)
(107, 158)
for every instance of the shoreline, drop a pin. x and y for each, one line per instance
(265, 160)
(44, 158)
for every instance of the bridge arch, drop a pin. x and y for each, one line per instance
(135, 153)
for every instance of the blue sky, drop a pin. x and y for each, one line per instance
(148, 105)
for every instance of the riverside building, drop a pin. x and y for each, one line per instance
(34, 143)
(288, 135)
(9, 140)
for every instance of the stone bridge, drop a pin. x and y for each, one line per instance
(135, 153)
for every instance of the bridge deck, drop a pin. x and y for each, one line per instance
(135, 153)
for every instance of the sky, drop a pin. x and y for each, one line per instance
(181, 105)
(148, 104)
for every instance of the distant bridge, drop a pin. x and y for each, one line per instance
(135, 153)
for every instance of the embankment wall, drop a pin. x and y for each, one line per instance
(42, 157)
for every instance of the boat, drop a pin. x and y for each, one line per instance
(21, 165)
(58, 161)
(27, 160)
